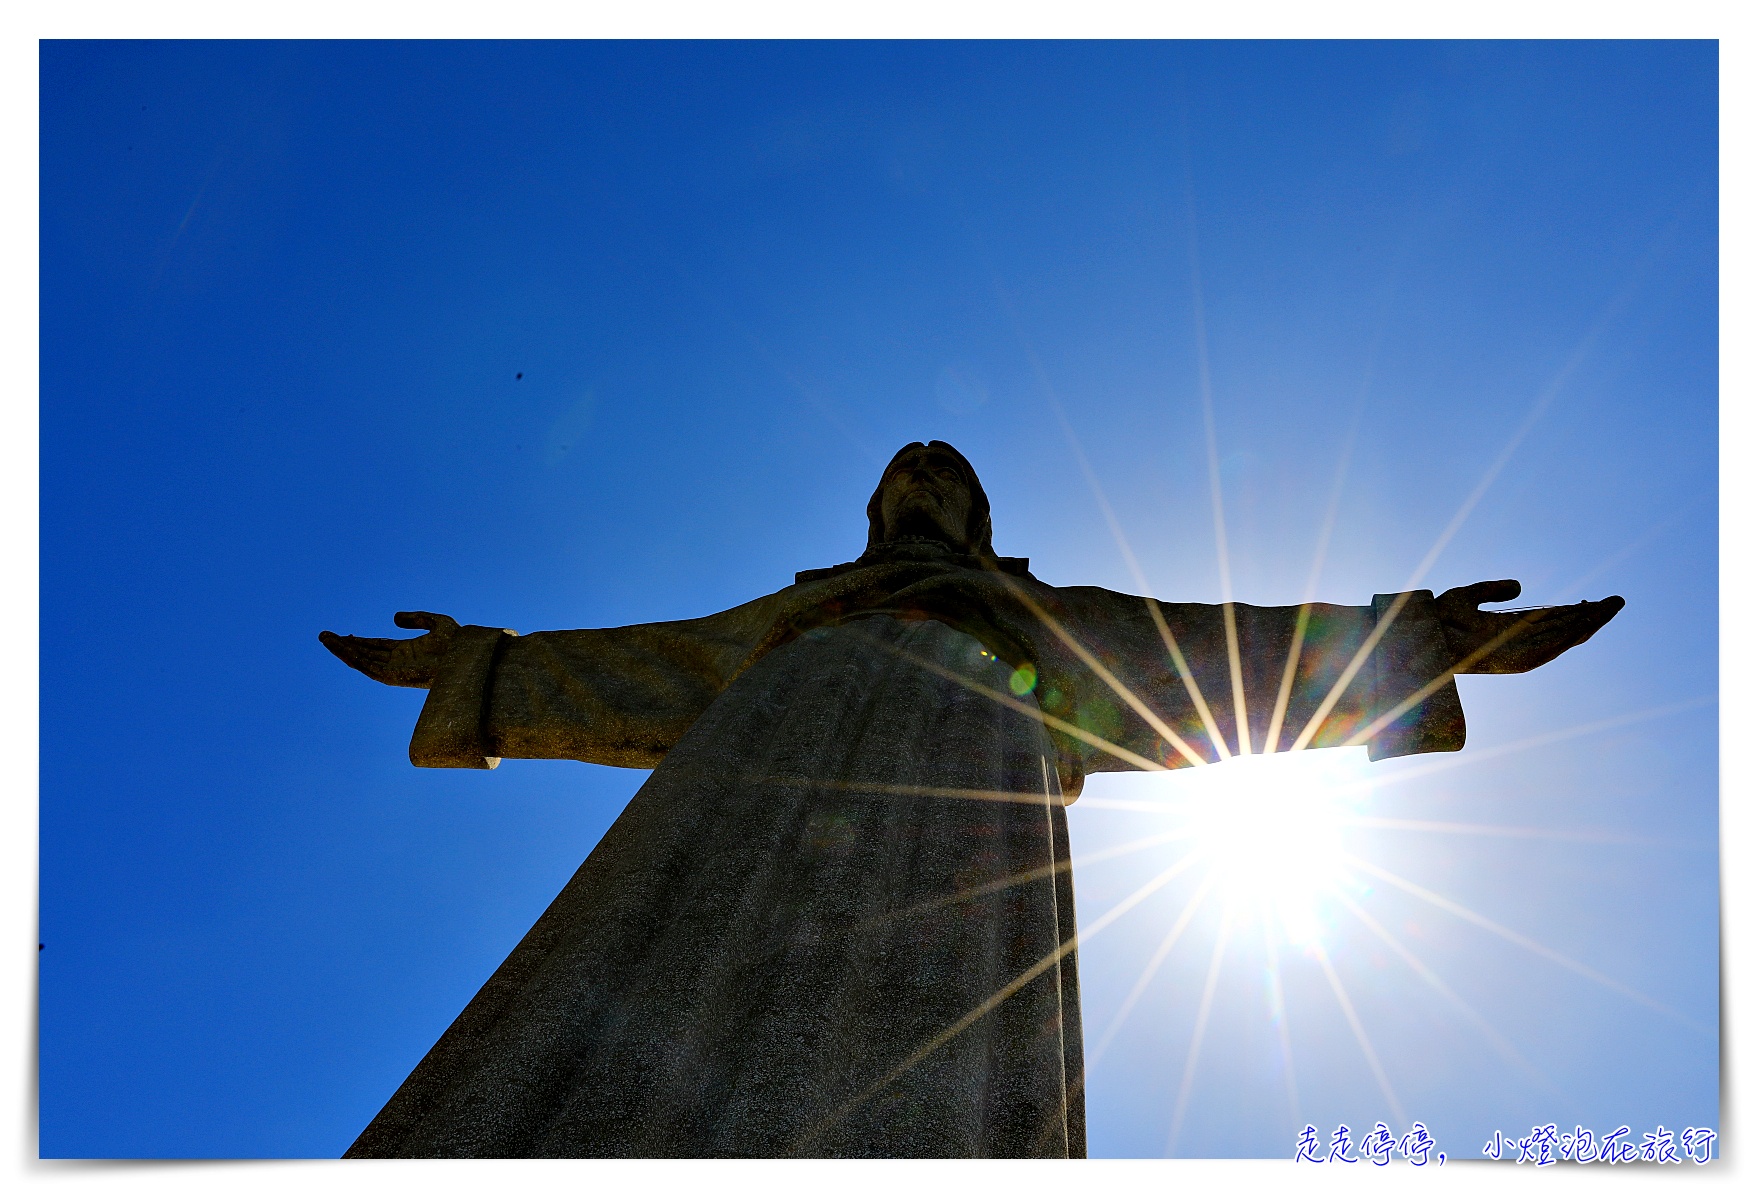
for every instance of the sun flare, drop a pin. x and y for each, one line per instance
(1271, 827)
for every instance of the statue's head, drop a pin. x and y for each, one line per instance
(930, 491)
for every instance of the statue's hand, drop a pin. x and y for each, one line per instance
(1512, 642)
(412, 662)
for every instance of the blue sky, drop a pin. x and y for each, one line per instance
(288, 293)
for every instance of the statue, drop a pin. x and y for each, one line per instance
(837, 920)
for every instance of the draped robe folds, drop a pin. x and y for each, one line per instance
(837, 920)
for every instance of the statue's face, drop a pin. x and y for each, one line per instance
(925, 496)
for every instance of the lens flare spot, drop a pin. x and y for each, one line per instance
(1024, 679)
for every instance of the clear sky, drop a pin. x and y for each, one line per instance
(561, 335)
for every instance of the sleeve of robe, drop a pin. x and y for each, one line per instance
(1376, 675)
(612, 696)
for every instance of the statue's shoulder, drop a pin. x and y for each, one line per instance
(1099, 597)
(1124, 609)
(1020, 567)
(802, 577)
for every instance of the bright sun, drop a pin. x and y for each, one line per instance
(1271, 829)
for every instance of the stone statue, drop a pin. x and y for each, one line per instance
(837, 920)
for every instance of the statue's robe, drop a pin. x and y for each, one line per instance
(837, 919)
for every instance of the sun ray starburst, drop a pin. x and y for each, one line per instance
(1153, 966)
(1279, 1018)
(1193, 1054)
(1525, 942)
(1354, 1020)
(1496, 1040)
(1176, 654)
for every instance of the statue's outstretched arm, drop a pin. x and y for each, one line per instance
(614, 696)
(1512, 642)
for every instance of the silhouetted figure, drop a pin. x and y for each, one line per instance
(837, 920)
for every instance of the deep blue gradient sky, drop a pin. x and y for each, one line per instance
(287, 294)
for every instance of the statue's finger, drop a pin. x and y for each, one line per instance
(1544, 634)
(1497, 591)
(341, 646)
(1586, 617)
(357, 651)
(1597, 615)
(431, 621)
